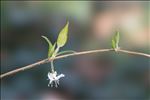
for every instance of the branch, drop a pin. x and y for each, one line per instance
(69, 55)
(134, 53)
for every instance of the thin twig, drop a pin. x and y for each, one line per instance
(134, 53)
(68, 55)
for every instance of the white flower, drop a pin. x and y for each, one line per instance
(53, 78)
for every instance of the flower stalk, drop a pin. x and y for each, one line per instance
(52, 66)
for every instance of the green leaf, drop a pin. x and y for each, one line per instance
(64, 52)
(117, 37)
(55, 52)
(113, 44)
(48, 41)
(63, 35)
(51, 51)
(115, 40)
(50, 46)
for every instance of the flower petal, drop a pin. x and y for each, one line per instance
(50, 76)
(60, 76)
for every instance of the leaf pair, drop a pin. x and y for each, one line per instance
(61, 41)
(115, 41)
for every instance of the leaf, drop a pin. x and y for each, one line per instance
(48, 41)
(51, 51)
(113, 44)
(117, 37)
(115, 41)
(50, 46)
(64, 52)
(62, 37)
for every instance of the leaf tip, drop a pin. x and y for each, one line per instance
(42, 36)
(63, 35)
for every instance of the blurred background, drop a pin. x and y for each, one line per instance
(104, 76)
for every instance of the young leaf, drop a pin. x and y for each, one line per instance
(117, 38)
(113, 44)
(51, 51)
(48, 41)
(50, 46)
(55, 52)
(62, 37)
